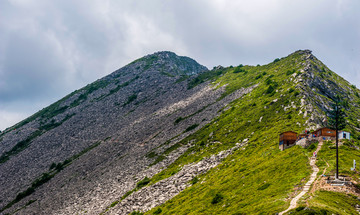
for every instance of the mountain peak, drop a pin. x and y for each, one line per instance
(170, 62)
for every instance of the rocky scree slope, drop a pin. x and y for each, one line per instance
(147, 126)
(95, 144)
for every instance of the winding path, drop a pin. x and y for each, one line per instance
(307, 186)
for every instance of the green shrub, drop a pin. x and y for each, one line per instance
(276, 60)
(151, 155)
(136, 213)
(270, 89)
(179, 120)
(239, 69)
(268, 81)
(158, 211)
(264, 186)
(59, 167)
(143, 182)
(205, 76)
(43, 179)
(217, 198)
(114, 203)
(21, 195)
(290, 72)
(191, 127)
(52, 166)
(194, 180)
(311, 147)
(300, 208)
(158, 159)
(130, 99)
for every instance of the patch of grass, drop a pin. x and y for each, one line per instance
(120, 86)
(290, 72)
(167, 74)
(217, 198)
(158, 211)
(179, 119)
(205, 76)
(191, 127)
(47, 176)
(172, 148)
(158, 159)
(264, 186)
(239, 69)
(130, 99)
(194, 180)
(151, 154)
(333, 203)
(149, 60)
(20, 146)
(136, 213)
(114, 204)
(143, 183)
(182, 78)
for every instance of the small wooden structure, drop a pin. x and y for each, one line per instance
(344, 135)
(325, 132)
(287, 139)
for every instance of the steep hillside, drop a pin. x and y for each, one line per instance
(164, 135)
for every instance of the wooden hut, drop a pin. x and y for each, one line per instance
(344, 135)
(325, 132)
(287, 139)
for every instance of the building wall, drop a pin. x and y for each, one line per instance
(287, 140)
(344, 135)
(325, 132)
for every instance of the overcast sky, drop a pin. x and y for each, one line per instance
(51, 48)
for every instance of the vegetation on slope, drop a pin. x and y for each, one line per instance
(259, 178)
(256, 178)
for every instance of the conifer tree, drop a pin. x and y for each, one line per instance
(336, 121)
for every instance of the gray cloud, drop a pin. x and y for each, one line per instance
(50, 48)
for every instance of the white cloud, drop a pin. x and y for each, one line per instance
(10, 118)
(50, 48)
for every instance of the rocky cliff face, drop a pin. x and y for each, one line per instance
(137, 137)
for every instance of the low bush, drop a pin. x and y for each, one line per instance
(136, 213)
(290, 72)
(217, 198)
(191, 127)
(194, 180)
(179, 120)
(143, 182)
(276, 60)
(158, 211)
(264, 186)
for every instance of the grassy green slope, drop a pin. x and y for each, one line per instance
(257, 179)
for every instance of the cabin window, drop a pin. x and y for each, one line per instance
(344, 135)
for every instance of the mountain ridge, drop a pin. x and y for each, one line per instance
(159, 114)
